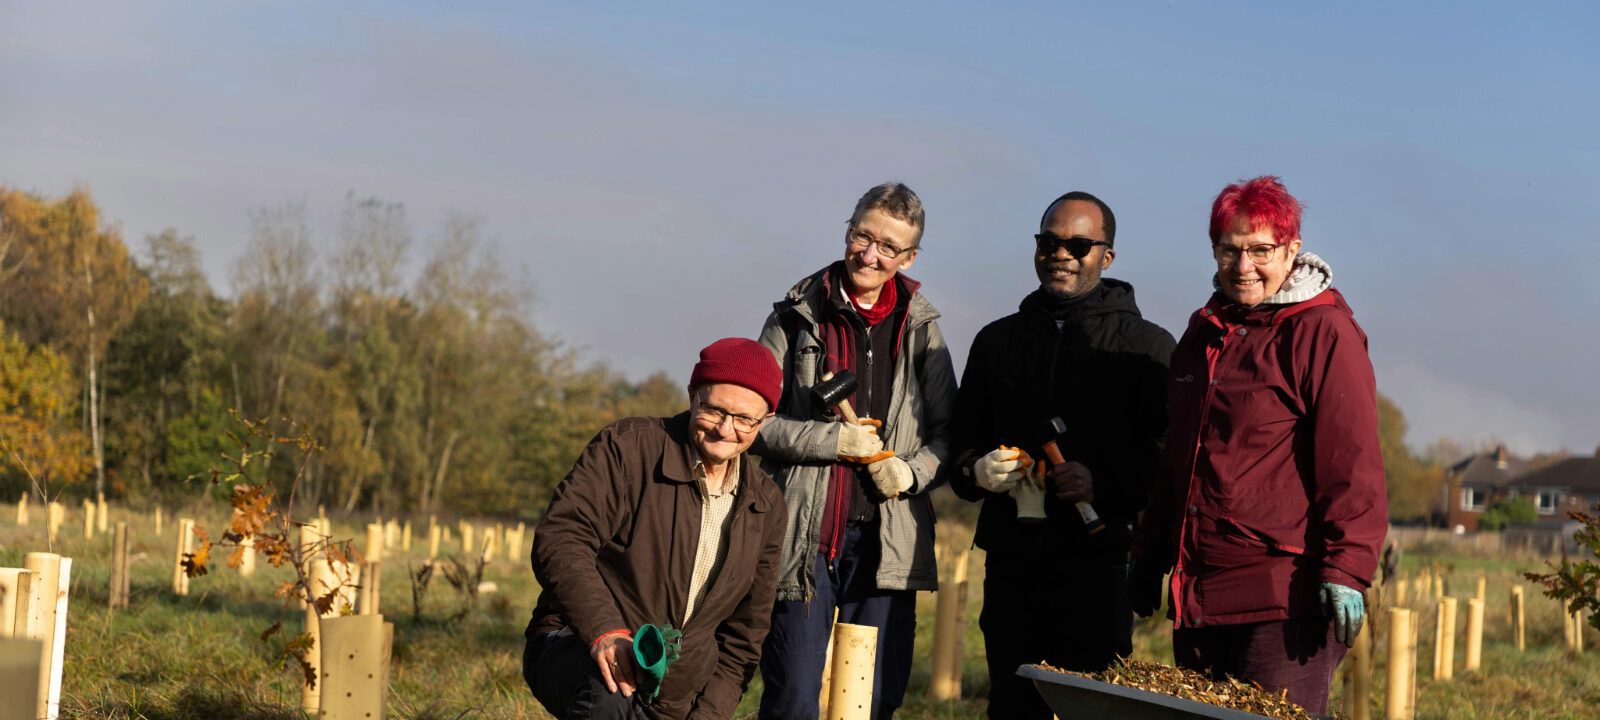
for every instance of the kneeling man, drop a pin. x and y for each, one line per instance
(666, 522)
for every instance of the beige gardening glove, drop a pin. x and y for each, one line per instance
(1029, 494)
(891, 476)
(1001, 469)
(859, 443)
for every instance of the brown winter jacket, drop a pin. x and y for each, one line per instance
(616, 550)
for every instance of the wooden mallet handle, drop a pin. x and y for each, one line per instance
(1091, 519)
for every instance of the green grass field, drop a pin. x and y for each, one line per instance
(200, 656)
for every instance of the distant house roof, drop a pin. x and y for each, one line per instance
(1579, 474)
(1493, 469)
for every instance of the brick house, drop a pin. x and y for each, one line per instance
(1556, 489)
(1470, 485)
(1566, 486)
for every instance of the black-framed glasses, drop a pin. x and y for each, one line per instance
(715, 416)
(1076, 246)
(860, 239)
(1258, 254)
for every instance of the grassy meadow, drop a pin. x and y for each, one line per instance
(201, 656)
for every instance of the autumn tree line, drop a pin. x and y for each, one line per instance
(422, 377)
(429, 390)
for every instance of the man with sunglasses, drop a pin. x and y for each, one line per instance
(664, 521)
(1076, 349)
(860, 534)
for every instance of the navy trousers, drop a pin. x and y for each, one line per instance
(1057, 607)
(796, 648)
(566, 681)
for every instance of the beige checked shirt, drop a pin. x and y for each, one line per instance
(715, 515)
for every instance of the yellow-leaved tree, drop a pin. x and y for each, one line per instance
(40, 447)
(70, 284)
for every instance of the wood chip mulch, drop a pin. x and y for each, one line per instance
(1190, 685)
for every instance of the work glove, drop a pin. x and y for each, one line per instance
(1347, 607)
(1029, 494)
(1144, 588)
(890, 477)
(860, 441)
(655, 648)
(1001, 469)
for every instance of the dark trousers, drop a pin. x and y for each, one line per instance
(796, 648)
(1064, 609)
(1295, 655)
(567, 682)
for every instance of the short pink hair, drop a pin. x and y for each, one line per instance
(1264, 202)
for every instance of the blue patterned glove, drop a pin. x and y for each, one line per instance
(1347, 607)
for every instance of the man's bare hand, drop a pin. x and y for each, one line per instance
(1073, 482)
(614, 654)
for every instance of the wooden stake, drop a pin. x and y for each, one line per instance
(1482, 582)
(1358, 677)
(433, 541)
(1402, 661)
(247, 559)
(1579, 619)
(855, 655)
(1444, 656)
(158, 522)
(100, 512)
(1518, 624)
(945, 682)
(55, 516)
(405, 537)
(467, 546)
(376, 535)
(515, 551)
(1474, 634)
(319, 581)
(185, 545)
(119, 566)
(58, 649)
(88, 519)
(22, 510)
(16, 599)
(46, 586)
(375, 544)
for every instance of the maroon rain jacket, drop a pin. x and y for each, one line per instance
(1272, 483)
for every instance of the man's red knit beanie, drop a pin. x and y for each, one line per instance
(741, 362)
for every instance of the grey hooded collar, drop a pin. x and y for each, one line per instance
(1309, 277)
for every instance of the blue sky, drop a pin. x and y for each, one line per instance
(661, 173)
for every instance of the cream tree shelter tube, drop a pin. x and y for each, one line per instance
(855, 652)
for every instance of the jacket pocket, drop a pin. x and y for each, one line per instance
(1240, 533)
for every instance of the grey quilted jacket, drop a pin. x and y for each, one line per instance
(797, 449)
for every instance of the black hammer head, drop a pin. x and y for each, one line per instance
(1047, 431)
(829, 392)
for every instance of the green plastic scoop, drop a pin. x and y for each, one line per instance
(654, 649)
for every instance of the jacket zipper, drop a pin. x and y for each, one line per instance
(1055, 350)
(1176, 580)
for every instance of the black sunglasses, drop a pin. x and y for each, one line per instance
(1075, 246)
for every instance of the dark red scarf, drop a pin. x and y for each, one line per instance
(839, 340)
